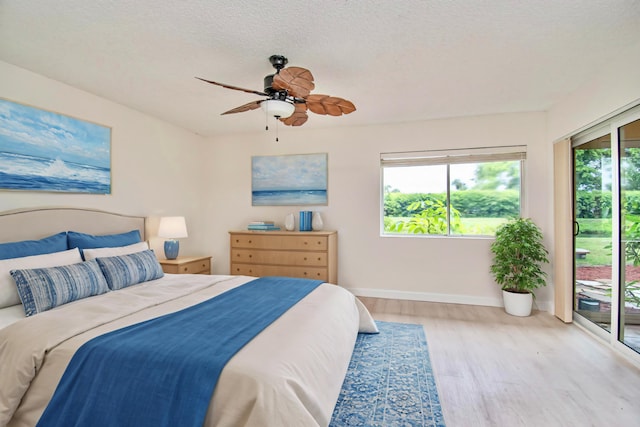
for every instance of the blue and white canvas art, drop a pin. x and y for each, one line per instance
(297, 179)
(45, 151)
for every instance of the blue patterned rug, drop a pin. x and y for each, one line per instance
(389, 381)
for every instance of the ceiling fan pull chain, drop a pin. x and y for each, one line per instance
(266, 119)
(277, 119)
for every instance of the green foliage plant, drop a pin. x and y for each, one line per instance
(428, 217)
(518, 256)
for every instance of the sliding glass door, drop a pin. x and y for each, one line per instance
(606, 169)
(629, 295)
(592, 230)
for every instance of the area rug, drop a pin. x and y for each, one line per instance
(389, 381)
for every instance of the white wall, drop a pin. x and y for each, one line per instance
(617, 86)
(156, 170)
(436, 269)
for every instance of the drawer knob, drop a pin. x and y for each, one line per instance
(249, 241)
(306, 243)
(305, 273)
(186, 268)
(305, 258)
(250, 256)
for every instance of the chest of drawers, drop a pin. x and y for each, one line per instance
(311, 255)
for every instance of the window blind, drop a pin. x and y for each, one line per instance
(442, 157)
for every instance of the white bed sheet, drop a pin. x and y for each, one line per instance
(9, 315)
(289, 375)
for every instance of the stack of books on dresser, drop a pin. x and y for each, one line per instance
(262, 226)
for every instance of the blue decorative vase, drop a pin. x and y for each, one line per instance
(305, 220)
(171, 248)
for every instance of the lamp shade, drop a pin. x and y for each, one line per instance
(278, 108)
(172, 227)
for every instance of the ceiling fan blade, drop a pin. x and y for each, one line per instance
(296, 80)
(246, 107)
(330, 105)
(234, 87)
(298, 118)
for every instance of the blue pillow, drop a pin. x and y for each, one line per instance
(42, 289)
(126, 270)
(48, 245)
(89, 241)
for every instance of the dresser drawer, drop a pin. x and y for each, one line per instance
(272, 270)
(254, 256)
(307, 242)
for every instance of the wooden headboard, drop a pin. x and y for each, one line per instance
(36, 223)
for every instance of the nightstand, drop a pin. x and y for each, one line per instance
(187, 265)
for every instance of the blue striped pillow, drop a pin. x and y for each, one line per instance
(126, 270)
(42, 289)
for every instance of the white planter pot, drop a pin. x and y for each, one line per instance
(517, 304)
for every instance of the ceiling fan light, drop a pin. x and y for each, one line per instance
(278, 108)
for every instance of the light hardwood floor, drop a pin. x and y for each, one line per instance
(493, 369)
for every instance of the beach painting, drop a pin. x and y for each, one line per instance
(45, 151)
(290, 180)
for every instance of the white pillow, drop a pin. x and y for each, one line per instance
(9, 291)
(117, 251)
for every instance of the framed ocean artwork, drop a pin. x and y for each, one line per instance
(290, 180)
(45, 151)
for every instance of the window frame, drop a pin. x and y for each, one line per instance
(449, 157)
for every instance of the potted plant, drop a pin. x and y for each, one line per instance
(518, 256)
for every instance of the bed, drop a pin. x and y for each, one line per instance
(290, 374)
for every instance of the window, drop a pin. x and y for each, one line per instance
(451, 193)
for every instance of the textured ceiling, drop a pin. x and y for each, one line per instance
(398, 61)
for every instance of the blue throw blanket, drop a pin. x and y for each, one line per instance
(162, 372)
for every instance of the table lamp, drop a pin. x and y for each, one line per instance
(172, 227)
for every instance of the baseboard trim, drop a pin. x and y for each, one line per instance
(444, 298)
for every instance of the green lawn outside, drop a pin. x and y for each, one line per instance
(595, 236)
(481, 226)
(599, 253)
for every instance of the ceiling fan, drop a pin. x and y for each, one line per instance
(288, 93)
